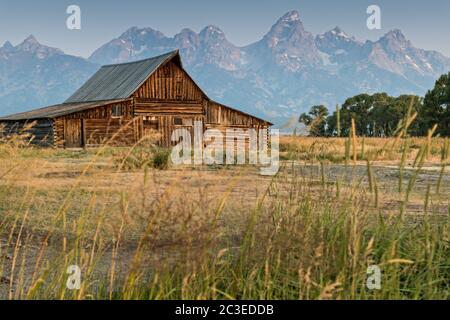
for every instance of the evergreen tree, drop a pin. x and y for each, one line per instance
(436, 108)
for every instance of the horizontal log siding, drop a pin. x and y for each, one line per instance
(145, 107)
(99, 125)
(37, 132)
(119, 132)
(103, 112)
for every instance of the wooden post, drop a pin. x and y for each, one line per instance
(354, 140)
(338, 120)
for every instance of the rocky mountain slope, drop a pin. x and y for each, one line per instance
(33, 75)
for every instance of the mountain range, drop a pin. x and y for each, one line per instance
(279, 76)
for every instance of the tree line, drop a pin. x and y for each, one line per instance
(381, 115)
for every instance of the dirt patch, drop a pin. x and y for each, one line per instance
(61, 174)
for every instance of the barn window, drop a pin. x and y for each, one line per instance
(116, 110)
(178, 121)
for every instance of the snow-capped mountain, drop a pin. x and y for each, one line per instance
(337, 47)
(395, 53)
(210, 46)
(287, 45)
(281, 75)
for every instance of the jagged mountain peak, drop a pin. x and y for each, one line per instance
(30, 40)
(188, 41)
(339, 46)
(129, 31)
(290, 22)
(338, 32)
(395, 34)
(7, 46)
(209, 46)
(395, 38)
(290, 16)
(134, 32)
(212, 31)
(187, 31)
(287, 44)
(288, 29)
(211, 28)
(394, 45)
(337, 29)
(217, 50)
(31, 45)
(186, 36)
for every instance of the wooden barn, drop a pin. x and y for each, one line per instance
(122, 103)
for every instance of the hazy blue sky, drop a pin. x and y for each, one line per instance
(425, 23)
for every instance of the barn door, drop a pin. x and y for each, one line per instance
(73, 133)
(151, 126)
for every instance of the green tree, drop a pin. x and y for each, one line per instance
(401, 107)
(436, 108)
(388, 112)
(315, 120)
(376, 115)
(356, 107)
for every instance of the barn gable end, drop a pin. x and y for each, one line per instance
(169, 83)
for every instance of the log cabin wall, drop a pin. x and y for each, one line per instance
(111, 124)
(37, 132)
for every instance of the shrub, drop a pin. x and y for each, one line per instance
(161, 158)
(141, 157)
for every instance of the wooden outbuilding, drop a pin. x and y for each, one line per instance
(122, 103)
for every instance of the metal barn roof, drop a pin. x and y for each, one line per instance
(56, 110)
(119, 81)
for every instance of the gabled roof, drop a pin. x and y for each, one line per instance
(56, 110)
(119, 81)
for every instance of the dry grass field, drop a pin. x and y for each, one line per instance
(336, 207)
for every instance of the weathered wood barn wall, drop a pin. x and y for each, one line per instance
(124, 103)
(39, 132)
